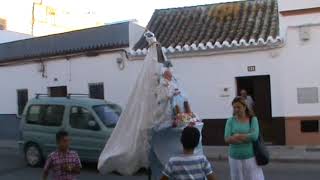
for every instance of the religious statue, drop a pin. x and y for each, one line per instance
(151, 123)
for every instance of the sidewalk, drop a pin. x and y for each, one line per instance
(8, 144)
(277, 153)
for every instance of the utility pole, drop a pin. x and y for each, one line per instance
(33, 17)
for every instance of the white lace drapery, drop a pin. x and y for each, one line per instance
(128, 147)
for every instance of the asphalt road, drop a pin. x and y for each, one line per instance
(12, 167)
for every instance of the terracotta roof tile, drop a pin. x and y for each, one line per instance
(215, 23)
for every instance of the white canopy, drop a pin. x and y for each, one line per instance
(128, 147)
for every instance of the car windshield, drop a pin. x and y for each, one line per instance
(108, 114)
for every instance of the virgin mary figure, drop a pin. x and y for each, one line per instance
(144, 131)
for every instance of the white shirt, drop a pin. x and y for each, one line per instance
(249, 102)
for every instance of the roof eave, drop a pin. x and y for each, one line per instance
(225, 47)
(69, 54)
(214, 51)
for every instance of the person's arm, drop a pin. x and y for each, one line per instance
(239, 138)
(167, 171)
(227, 131)
(229, 139)
(46, 168)
(164, 178)
(70, 169)
(75, 170)
(252, 101)
(77, 167)
(207, 168)
(254, 133)
(233, 140)
(45, 175)
(211, 177)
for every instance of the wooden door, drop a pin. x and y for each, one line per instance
(262, 96)
(258, 87)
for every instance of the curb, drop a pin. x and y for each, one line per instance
(8, 144)
(278, 160)
(222, 156)
(282, 154)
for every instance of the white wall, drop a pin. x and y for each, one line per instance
(117, 83)
(7, 36)
(75, 73)
(285, 5)
(300, 59)
(205, 77)
(297, 20)
(300, 20)
(202, 77)
(296, 65)
(300, 69)
(293, 66)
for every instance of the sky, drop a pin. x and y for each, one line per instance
(18, 12)
(118, 10)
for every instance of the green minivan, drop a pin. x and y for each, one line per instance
(89, 123)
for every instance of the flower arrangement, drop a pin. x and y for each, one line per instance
(183, 119)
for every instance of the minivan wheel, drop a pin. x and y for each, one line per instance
(33, 155)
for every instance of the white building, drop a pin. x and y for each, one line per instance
(43, 17)
(265, 47)
(71, 62)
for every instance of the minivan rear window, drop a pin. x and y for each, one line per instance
(46, 115)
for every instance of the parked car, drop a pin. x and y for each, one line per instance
(89, 123)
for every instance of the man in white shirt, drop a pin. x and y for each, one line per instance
(248, 99)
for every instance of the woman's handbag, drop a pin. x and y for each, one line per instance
(260, 151)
